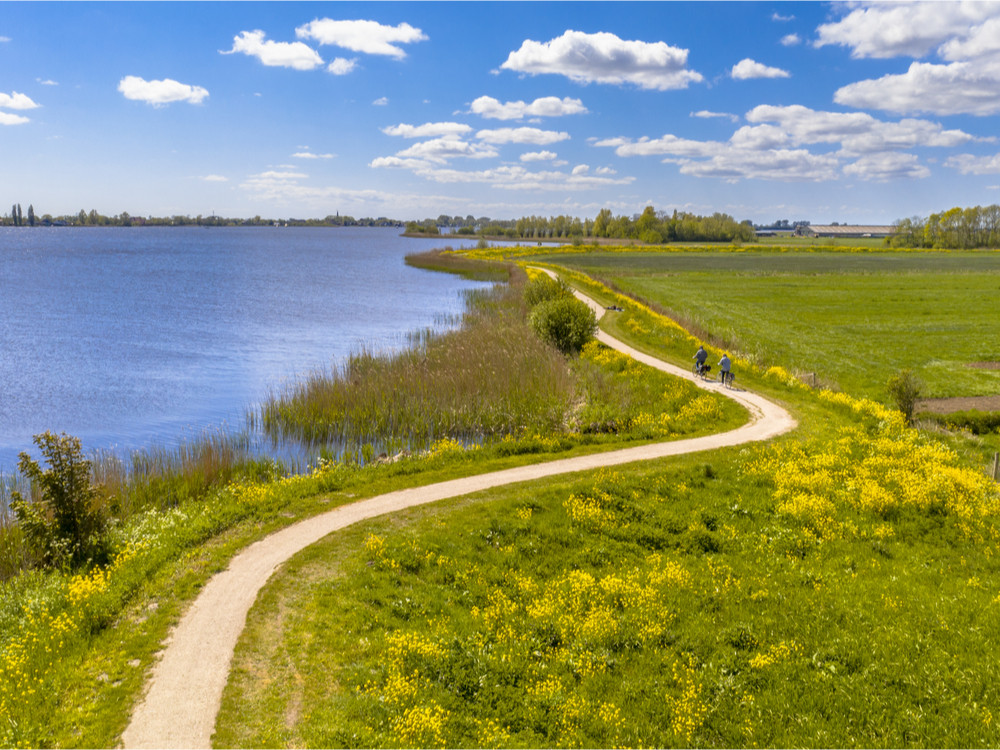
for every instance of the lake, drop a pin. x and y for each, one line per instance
(136, 337)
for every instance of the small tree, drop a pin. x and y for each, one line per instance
(566, 322)
(544, 287)
(64, 524)
(904, 389)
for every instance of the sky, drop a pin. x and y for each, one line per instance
(853, 112)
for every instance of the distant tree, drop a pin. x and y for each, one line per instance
(31, 215)
(81, 218)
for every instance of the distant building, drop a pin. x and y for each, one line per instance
(846, 230)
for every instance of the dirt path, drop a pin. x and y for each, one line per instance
(184, 691)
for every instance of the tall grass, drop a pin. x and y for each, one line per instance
(492, 376)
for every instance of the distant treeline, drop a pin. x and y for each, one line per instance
(93, 219)
(959, 228)
(650, 226)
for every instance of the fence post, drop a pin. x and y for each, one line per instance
(996, 467)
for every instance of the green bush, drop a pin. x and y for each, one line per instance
(975, 421)
(543, 288)
(65, 523)
(904, 389)
(565, 322)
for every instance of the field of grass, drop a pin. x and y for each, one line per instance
(852, 318)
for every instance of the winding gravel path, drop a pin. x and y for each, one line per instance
(184, 691)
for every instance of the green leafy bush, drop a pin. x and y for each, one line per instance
(904, 389)
(65, 523)
(566, 322)
(543, 288)
(975, 421)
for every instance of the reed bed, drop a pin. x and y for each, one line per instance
(490, 377)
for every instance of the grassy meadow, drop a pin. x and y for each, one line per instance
(836, 588)
(853, 319)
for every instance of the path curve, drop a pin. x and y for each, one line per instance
(184, 691)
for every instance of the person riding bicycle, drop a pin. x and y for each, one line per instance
(699, 359)
(726, 367)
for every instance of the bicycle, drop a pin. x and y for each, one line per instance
(727, 379)
(700, 370)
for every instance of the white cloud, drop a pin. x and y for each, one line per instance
(580, 169)
(341, 66)
(705, 114)
(887, 166)
(294, 55)
(956, 88)
(381, 101)
(534, 136)
(969, 164)
(47, 82)
(911, 29)
(965, 35)
(605, 58)
(856, 132)
(162, 92)
(778, 17)
(427, 130)
(439, 150)
(747, 68)
(369, 37)
(4, 39)
(214, 178)
(311, 155)
(547, 106)
(787, 165)
(14, 100)
(8, 119)
(538, 156)
(790, 40)
(508, 177)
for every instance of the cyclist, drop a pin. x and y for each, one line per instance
(726, 368)
(699, 360)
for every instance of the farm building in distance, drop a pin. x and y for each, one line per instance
(845, 230)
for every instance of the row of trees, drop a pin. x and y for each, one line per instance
(959, 228)
(650, 226)
(94, 219)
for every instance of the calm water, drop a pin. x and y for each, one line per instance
(129, 338)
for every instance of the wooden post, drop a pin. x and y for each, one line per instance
(996, 467)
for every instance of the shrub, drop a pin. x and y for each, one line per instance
(543, 288)
(904, 389)
(64, 523)
(566, 322)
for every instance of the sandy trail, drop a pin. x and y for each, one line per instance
(184, 691)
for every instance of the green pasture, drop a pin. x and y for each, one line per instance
(852, 318)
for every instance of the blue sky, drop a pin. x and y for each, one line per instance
(851, 112)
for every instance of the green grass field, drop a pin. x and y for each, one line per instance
(852, 318)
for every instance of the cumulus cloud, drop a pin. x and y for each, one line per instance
(790, 40)
(294, 55)
(910, 29)
(605, 58)
(778, 17)
(964, 35)
(341, 66)
(381, 101)
(956, 88)
(538, 156)
(6, 118)
(533, 136)
(795, 143)
(214, 178)
(427, 130)
(969, 164)
(747, 68)
(162, 92)
(507, 177)
(15, 100)
(311, 155)
(546, 106)
(369, 37)
(706, 114)
(47, 82)
(887, 166)
(440, 150)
